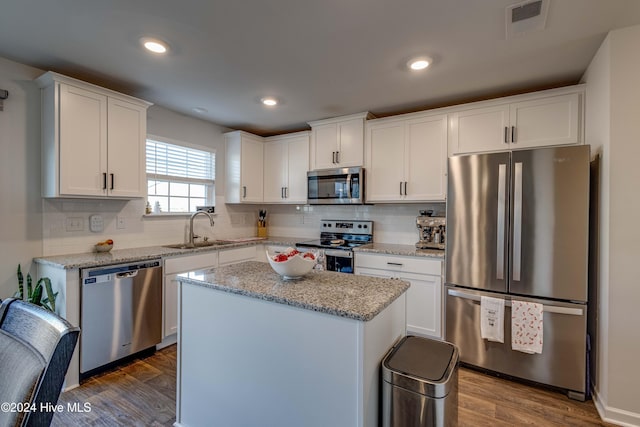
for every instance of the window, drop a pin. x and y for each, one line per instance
(179, 178)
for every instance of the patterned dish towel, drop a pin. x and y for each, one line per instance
(492, 319)
(526, 327)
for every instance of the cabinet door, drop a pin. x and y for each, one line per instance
(251, 170)
(350, 150)
(170, 326)
(426, 159)
(296, 191)
(385, 162)
(549, 121)
(324, 145)
(126, 149)
(82, 142)
(424, 304)
(275, 171)
(480, 129)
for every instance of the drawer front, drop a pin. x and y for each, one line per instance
(405, 264)
(190, 262)
(231, 256)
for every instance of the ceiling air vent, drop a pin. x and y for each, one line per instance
(526, 17)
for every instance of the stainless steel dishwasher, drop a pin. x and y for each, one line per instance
(121, 312)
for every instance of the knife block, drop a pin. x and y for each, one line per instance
(262, 230)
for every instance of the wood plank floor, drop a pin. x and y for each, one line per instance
(142, 393)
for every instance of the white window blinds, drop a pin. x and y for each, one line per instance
(174, 161)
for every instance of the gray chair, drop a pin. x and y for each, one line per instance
(35, 350)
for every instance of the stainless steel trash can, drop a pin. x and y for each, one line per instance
(420, 384)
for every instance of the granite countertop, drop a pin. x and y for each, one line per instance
(394, 249)
(116, 256)
(338, 294)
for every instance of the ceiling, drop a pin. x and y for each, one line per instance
(321, 58)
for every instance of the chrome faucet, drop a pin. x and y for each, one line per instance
(191, 235)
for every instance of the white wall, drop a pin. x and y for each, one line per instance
(20, 205)
(613, 128)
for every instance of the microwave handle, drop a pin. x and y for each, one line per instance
(349, 186)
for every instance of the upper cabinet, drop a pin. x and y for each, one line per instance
(338, 142)
(286, 162)
(553, 117)
(244, 167)
(93, 140)
(406, 158)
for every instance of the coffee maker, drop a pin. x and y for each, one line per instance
(431, 231)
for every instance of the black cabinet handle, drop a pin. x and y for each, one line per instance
(401, 188)
(104, 180)
(513, 134)
(244, 191)
(113, 181)
(405, 188)
(337, 157)
(506, 135)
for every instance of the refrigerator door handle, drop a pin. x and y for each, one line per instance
(517, 219)
(507, 303)
(502, 191)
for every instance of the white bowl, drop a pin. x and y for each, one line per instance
(293, 268)
(103, 248)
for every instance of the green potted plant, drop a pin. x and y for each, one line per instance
(35, 295)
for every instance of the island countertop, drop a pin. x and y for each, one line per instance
(345, 295)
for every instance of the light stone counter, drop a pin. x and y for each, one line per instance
(339, 294)
(394, 249)
(116, 256)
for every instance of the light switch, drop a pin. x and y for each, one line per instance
(121, 223)
(96, 223)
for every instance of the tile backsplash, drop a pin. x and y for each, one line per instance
(66, 223)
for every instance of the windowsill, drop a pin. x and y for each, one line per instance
(171, 215)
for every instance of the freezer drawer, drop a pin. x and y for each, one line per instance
(562, 362)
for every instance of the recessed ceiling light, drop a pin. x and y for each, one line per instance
(154, 45)
(200, 110)
(269, 101)
(419, 63)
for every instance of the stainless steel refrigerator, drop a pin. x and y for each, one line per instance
(518, 228)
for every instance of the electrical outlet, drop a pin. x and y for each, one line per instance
(121, 222)
(74, 224)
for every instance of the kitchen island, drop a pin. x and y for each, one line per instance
(254, 349)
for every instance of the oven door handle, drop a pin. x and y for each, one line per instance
(338, 253)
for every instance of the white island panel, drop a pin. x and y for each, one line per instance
(246, 361)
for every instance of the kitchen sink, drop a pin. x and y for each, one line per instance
(206, 244)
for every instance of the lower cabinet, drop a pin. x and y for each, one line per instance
(172, 268)
(182, 264)
(424, 297)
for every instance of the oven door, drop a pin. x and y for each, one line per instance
(335, 186)
(339, 260)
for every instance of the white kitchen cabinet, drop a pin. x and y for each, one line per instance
(338, 142)
(172, 268)
(424, 297)
(236, 255)
(244, 167)
(286, 162)
(93, 140)
(544, 119)
(405, 158)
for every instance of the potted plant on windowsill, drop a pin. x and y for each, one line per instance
(35, 295)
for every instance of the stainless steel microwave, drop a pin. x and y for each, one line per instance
(336, 186)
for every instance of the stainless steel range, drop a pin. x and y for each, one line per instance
(337, 239)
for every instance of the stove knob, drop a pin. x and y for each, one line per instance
(329, 226)
(366, 226)
(360, 226)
